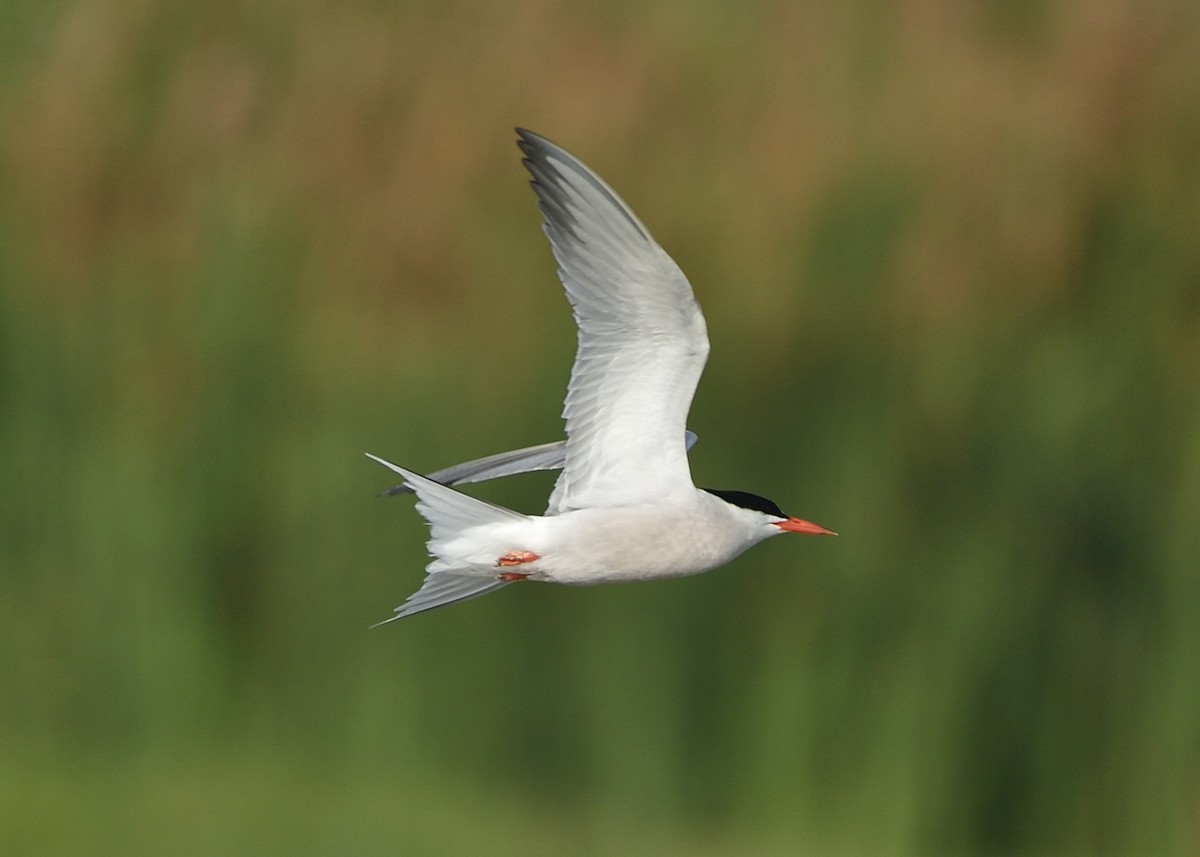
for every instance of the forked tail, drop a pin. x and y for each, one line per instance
(453, 575)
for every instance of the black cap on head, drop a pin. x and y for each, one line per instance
(746, 500)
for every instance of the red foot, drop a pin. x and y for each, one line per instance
(516, 558)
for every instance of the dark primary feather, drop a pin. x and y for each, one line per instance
(551, 195)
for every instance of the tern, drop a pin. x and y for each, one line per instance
(624, 507)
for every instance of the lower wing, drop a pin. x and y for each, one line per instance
(547, 456)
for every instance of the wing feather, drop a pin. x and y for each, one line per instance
(642, 339)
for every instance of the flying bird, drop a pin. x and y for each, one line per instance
(624, 507)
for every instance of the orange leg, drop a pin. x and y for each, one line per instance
(516, 558)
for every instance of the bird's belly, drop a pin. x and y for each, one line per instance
(607, 546)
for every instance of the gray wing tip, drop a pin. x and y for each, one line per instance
(537, 151)
(545, 178)
(566, 169)
(530, 141)
(534, 147)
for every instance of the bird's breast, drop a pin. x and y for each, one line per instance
(630, 543)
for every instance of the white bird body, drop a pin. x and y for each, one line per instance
(624, 507)
(675, 537)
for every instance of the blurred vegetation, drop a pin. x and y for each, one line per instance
(950, 259)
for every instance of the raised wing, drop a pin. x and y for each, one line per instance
(642, 340)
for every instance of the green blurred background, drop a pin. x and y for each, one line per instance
(950, 259)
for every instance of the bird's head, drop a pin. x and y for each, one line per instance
(772, 516)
